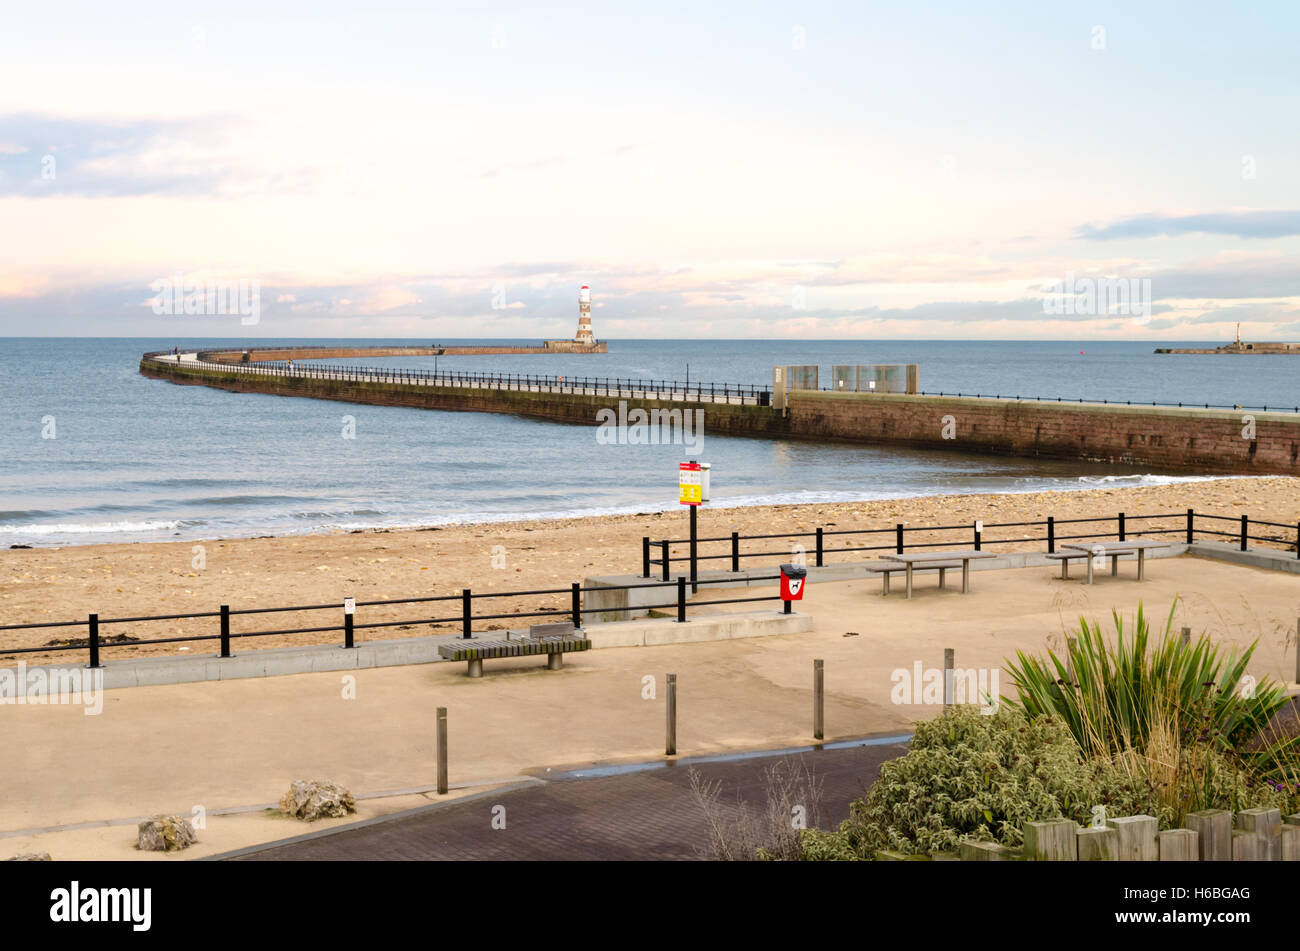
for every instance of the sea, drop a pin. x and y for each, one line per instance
(98, 453)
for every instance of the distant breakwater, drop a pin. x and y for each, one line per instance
(281, 354)
(1194, 441)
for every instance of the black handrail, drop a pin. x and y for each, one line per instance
(975, 531)
(576, 611)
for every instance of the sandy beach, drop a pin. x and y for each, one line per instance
(125, 580)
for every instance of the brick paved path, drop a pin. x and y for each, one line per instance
(644, 815)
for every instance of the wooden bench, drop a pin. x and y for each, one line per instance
(551, 640)
(887, 569)
(1065, 557)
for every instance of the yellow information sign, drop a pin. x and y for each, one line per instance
(688, 481)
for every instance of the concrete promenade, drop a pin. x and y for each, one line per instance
(236, 744)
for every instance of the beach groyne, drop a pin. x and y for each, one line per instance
(1187, 440)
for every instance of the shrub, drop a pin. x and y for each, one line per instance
(967, 774)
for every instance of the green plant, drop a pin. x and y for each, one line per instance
(1113, 698)
(968, 774)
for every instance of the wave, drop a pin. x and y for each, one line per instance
(1148, 479)
(95, 528)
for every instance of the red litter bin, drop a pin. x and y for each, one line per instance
(792, 582)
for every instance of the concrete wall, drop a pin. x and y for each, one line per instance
(1168, 438)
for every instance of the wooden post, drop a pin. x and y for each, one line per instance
(1187, 636)
(972, 851)
(1137, 837)
(1051, 841)
(1177, 845)
(1246, 847)
(442, 751)
(1266, 825)
(1291, 843)
(1214, 829)
(819, 697)
(670, 741)
(948, 659)
(1098, 845)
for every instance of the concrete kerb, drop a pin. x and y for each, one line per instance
(1273, 559)
(279, 661)
(603, 596)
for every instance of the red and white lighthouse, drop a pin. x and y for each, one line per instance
(585, 336)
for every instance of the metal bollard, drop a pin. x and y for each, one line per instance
(670, 738)
(819, 698)
(948, 656)
(442, 751)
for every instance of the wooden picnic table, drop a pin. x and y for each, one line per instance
(1113, 550)
(965, 556)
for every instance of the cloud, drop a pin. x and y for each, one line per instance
(43, 156)
(1241, 224)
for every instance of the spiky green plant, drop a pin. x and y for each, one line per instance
(1143, 691)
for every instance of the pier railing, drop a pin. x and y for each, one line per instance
(1093, 402)
(742, 394)
(463, 615)
(899, 538)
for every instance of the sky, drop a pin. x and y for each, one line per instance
(724, 170)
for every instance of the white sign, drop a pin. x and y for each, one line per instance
(349, 605)
(979, 526)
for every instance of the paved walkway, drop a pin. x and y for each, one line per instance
(649, 814)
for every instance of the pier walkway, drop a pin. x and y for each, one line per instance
(736, 394)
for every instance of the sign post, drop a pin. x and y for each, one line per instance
(690, 484)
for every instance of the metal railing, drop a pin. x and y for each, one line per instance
(972, 533)
(1086, 401)
(94, 642)
(737, 393)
